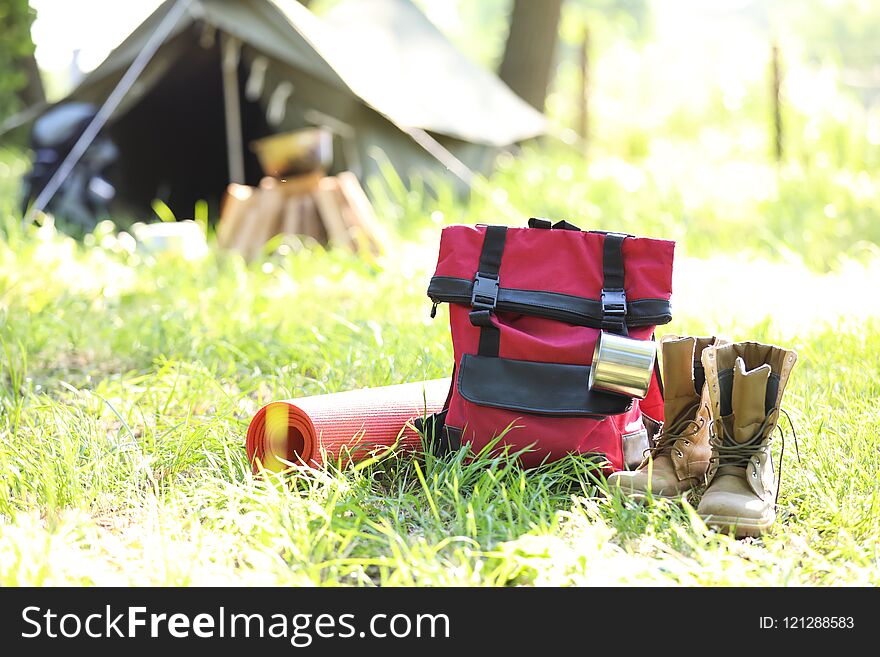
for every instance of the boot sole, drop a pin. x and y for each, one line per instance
(639, 496)
(742, 527)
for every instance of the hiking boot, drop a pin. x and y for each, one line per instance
(746, 381)
(680, 457)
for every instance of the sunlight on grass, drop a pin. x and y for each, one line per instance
(736, 294)
(128, 378)
(128, 381)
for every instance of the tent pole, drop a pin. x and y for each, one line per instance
(230, 56)
(116, 96)
(436, 150)
(474, 182)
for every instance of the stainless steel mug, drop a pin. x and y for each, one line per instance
(622, 365)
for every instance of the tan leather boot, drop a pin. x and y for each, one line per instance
(746, 381)
(680, 458)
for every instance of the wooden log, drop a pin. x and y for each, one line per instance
(269, 217)
(244, 236)
(366, 215)
(357, 230)
(248, 242)
(292, 219)
(311, 222)
(235, 206)
(327, 200)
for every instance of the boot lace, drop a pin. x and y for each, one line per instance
(727, 452)
(797, 449)
(684, 427)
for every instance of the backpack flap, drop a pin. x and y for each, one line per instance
(551, 389)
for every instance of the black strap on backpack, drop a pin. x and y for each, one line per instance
(613, 293)
(485, 293)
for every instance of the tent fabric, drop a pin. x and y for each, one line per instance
(375, 68)
(386, 52)
(264, 26)
(255, 22)
(397, 61)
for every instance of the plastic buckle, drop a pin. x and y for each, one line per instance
(485, 292)
(614, 303)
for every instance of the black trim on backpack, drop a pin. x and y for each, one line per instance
(658, 373)
(440, 438)
(484, 293)
(452, 436)
(580, 311)
(553, 389)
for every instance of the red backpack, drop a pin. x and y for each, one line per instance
(526, 308)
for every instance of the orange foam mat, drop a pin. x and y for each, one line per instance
(351, 425)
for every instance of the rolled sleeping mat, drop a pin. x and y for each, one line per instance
(352, 425)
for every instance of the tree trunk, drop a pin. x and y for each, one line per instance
(33, 92)
(527, 66)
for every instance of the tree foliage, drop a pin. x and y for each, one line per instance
(16, 17)
(841, 32)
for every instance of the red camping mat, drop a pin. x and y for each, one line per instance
(351, 425)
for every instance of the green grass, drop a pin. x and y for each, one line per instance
(127, 381)
(811, 209)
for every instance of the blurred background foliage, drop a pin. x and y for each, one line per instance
(680, 134)
(16, 55)
(127, 378)
(673, 133)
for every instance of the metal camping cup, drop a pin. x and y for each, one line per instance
(622, 365)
